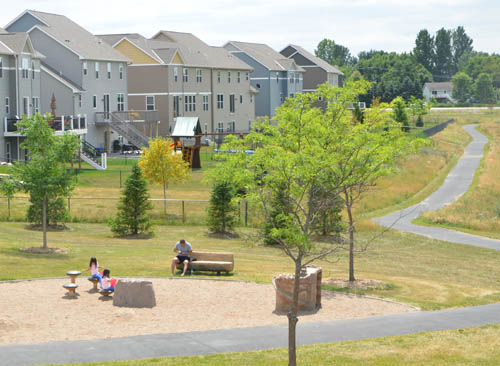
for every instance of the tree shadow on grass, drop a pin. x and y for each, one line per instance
(16, 252)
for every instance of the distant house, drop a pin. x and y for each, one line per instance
(439, 91)
(317, 71)
(275, 76)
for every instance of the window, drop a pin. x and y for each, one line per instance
(220, 126)
(232, 104)
(241, 99)
(108, 69)
(291, 95)
(249, 125)
(79, 100)
(282, 98)
(25, 106)
(176, 74)
(218, 77)
(190, 103)
(239, 77)
(121, 102)
(205, 102)
(198, 75)
(231, 126)
(94, 101)
(7, 105)
(1, 67)
(176, 106)
(35, 101)
(292, 77)
(229, 76)
(25, 67)
(185, 75)
(121, 72)
(246, 76)
(277, 77)
(32, 70)
(85, 69)
(434, 92)
(297, 78)
(150, 103)
(97, 70)
(220, 101)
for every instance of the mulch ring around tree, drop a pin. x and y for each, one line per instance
(53, 227)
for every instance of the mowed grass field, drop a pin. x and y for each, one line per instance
(477, 346)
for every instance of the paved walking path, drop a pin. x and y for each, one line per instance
(456, 184)
(246, 339)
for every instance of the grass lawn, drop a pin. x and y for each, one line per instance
(477, 346)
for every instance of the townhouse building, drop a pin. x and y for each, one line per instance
(317, 71)
(274, 76)
(86, 76)
(178, 75)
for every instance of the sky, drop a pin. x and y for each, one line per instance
(360, 25)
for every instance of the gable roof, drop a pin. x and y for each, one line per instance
(315, 59)
(265, 55)
(446, 85)
(16, 42)
(61, 78)
(186, 39)
(74, 37)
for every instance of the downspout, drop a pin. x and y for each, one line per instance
(212, 107)
(168, 104)
(17, 98)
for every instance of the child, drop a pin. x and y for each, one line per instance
(94, 269)
(107, 282)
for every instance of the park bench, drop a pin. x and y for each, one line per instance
(210, 261)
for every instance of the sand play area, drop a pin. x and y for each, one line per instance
(39, 311)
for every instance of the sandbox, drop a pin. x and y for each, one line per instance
(39, 311)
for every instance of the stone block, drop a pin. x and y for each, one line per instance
(134, 294)
(309, 290)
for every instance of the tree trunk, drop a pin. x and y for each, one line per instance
(292, 315)
(44, 221)
(8, 209)
(351, 237)
(165, 199)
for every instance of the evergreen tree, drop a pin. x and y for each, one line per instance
(358, 113)
(279, 209)
(57, 211)
(328, 220)
(462, 44)
(483, 89)
(132, 218)
(444, 55)
(462, 87)
(222, 211)
(400, 114)
(424, 51)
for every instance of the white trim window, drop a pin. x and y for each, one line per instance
(85, 68)
(232, 103)
(247, 76)
(220, 101)
(176, 73)
(1, 67)
(26, 106)
(190, 103)
(185, 75)
(231, 126)
(35, 102)
(94, 101)
(241, 98)
(229, 77)
(218, 77)
(198, 76)
(97, 70)
(121, 71)
(176, 106)
(7, 105)
(239, 77)
(79, 101)
(205, 102)
(25, 68)
(120, 100)
(108, 69)
(220, 126)
(33, 70)
(150, 103)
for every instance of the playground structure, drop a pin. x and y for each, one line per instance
(188, 127)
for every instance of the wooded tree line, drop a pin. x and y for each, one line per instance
(446, 56)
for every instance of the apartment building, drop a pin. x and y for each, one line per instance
(274, 76)
(317, 71)
(87, 77)
(179, 75)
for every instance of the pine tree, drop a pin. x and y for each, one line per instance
(424, 50)
(132, 218)
(222, 211)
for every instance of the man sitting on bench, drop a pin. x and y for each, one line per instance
(184, 251)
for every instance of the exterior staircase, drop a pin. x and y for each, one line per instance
(90, 155)
(128, 130)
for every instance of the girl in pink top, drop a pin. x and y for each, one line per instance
(94, 269)
(107, 282)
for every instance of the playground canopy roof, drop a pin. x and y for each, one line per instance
(187, 127)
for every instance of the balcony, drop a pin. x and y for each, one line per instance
(135, 117)
(63, 124)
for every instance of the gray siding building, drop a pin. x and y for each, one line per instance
(274, 76)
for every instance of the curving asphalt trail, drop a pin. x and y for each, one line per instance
(258, 338)
(456, 184)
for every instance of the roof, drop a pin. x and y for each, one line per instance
(76, 38)
(186, 39)
(446, 85)
(315, 59)
(15, 43)
(61, 78)
(2, 30)
(266, 56)
(186, 127)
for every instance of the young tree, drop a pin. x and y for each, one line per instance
(9, 187)
(222, 211)
(132, 218)
(483, 89)
(305, 148)
(418, 108)
(400, 113)
(161, 165)
(462, 87)
(424, 51)
(444, 55)
(45, 176)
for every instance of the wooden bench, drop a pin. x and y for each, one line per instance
(210, 261)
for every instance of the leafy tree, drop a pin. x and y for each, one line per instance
(461, 45)
(161, 165)
(418, 108)
(479, 63)
(9, 187)
(307, 147)
(400, 113)
(334, 54)
(132, 218)
(462, 87)
(483, 89)
(222, 211)
(44, 175)
(366, 55)
(424, 51)
(444, 55)
(57, 211)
